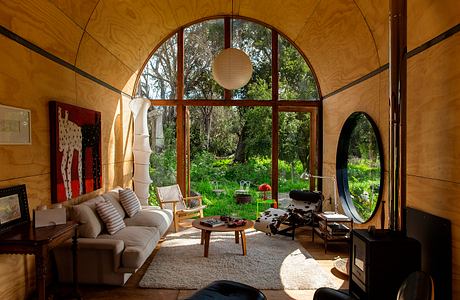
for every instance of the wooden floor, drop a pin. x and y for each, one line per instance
(132, 291)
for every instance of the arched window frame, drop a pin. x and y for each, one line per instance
(312, 106)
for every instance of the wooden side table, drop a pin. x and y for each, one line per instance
(25, 239)
(322, 230)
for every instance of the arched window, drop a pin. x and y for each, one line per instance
(217, 128)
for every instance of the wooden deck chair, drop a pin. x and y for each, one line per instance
(182, 207)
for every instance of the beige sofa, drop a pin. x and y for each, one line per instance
(111, 259)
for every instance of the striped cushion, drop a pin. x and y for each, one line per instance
(129, 201)
(111, 217)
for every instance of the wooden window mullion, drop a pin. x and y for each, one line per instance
(275, 117)
(180, 114)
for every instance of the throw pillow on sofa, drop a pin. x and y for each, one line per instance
(112, 219)
(89, 225)
(114, 198)
(130, 202)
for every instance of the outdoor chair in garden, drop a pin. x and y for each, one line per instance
(183, 207)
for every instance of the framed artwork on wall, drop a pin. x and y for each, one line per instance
(15, 126)
(14, 208)
(75, 144)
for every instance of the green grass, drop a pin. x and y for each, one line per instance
(209, 173)
(224, 203)
(364, 177)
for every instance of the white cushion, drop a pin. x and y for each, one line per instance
(112, 195)
(112, 219)
(89, 223)
(130, 202)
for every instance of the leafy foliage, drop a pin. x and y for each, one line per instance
(363, 168)
(228, 144)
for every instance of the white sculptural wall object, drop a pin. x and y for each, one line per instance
(141, 149)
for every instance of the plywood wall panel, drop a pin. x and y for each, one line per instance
(43, 24)
(384, 122)
(99, 62)
(368, 96)
(118, 174)
(439, 198)
(30, 81)
(336, 109)
(433, 112)
(130, 87)
(17, 276)
(78, 11)
(376, 16)
(127, 124)
(130, 30)
(187, 11)
(338, 43)
(428, 18)
(274, 12)
(93, 96)
(37, 186)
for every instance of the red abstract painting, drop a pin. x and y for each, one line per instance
(75, 151)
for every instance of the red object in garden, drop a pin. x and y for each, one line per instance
(265, 187)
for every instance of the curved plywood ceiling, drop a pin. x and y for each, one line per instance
(111, 39)
(320, 28)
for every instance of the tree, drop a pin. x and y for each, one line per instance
(240, 131)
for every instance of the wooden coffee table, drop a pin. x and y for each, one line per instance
(206, 232)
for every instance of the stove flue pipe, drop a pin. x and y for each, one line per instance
(398, 111)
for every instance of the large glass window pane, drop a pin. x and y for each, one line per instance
(158, 79)
(294, 153)
(296, 81)
(256, 41)
(230, 151)
(202, 42)
(161, 121)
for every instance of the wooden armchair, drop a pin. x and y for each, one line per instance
(182, 207)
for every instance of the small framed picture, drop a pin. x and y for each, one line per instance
(14, 208)
(15, 126)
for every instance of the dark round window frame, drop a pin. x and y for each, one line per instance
(342, 162)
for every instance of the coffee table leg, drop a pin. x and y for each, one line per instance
(243, 242)
(237, 239)
(207, 236)
(202, 236)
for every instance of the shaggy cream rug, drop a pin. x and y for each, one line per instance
(271, 263)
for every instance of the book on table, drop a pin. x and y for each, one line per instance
(331, 216)
(337, 229)
(212, 222)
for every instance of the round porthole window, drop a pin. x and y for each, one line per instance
(360, 167)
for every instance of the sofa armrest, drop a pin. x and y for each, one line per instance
(91, 249)
(101, 244)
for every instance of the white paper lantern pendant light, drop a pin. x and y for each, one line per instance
(232, 69)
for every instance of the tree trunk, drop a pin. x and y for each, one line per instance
(240, 153)
(207, 119)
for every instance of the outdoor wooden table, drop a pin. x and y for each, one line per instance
(206, 232)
